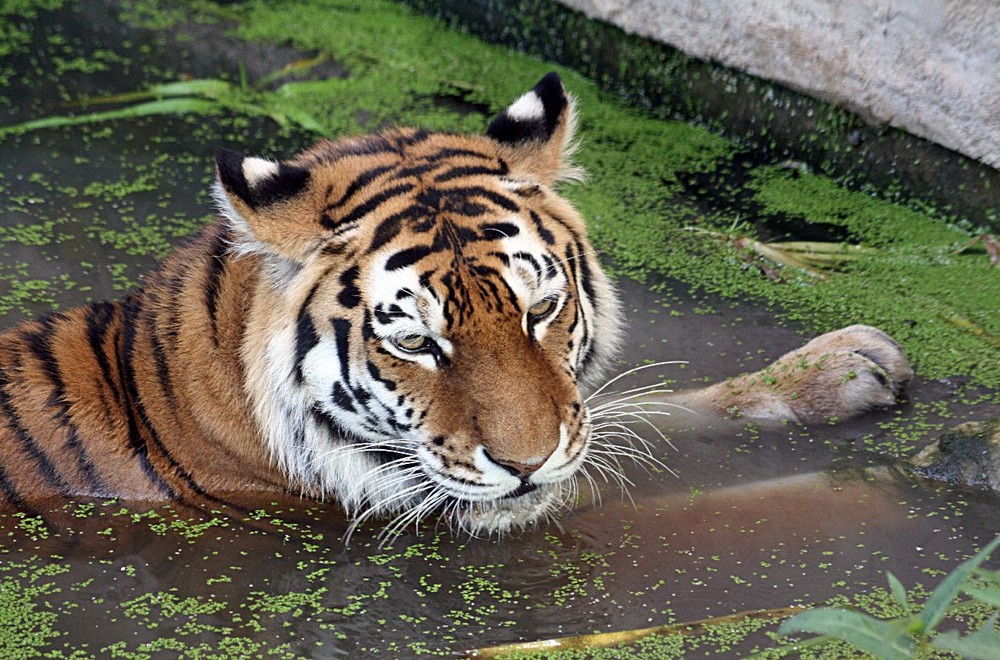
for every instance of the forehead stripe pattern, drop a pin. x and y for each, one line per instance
(331, 222)
(357, 184)
(472, 170)
(407, 257)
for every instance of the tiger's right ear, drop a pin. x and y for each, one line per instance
(536, 133)
(268, 204)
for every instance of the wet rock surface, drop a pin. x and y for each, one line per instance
(966, 455)
(926, 67)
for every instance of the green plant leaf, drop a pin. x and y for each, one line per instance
(207, 88)
(950, 587)
(898, 591)
(164, 107)
(883, 639)
(989, 595)
(305, 120)
(982, 644)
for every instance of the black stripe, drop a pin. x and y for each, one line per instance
(472, 170)
(341, 398)
(503, 229)
(541, 229)
(27, 442)
(131, 308)
(587, 275)
(552, 267)
(488, 289)
(341, 330)
(367, 331)
(501, 256)
(584, 277)
(452, 153)
(389, 228)
(528, 191)
(410, 139)
(306, 336)
(131, 313)
(493, 196)
(213, 281)
(160, 359)
(367, 206)
(415, 170)
(376, 375)
(98, 319)
(358, 183)
(349, 295)
(407, 257)
(40, 343)
(530, 258)
(551, 217)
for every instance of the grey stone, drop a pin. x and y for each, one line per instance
(929, 67)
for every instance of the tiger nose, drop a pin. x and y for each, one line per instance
(516, 468)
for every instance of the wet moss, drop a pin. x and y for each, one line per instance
(15, 16)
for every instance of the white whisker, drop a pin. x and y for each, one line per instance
(629, 373)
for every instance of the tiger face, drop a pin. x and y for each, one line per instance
(430, 310)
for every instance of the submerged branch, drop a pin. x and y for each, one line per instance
(604, 640)
(810, 257)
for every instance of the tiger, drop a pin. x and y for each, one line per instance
(402, 323)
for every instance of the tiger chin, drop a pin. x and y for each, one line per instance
(401, 323)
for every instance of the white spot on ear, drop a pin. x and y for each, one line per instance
(527, 108)
(256, 170)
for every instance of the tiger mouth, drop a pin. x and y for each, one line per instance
(517, 510)
(525, 488)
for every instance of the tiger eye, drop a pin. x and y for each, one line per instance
(542, 308)
(412, 343)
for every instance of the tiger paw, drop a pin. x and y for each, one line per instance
(837, 375)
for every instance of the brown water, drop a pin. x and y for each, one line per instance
(749, 517)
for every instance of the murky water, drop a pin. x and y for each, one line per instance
(749, 518)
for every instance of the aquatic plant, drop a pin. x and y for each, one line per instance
(903, 637)
(990, 243)
(814, 258)
(201, 97)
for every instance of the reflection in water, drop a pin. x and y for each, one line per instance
(280, 577)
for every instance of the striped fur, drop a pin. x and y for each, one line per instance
(400, 322)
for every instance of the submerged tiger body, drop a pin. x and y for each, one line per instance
(400, 322)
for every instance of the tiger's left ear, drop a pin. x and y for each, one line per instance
(536, 133)
(269, 205)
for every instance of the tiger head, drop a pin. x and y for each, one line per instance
(427, 312)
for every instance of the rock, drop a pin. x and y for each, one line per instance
(925, 66)
(968, 454)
